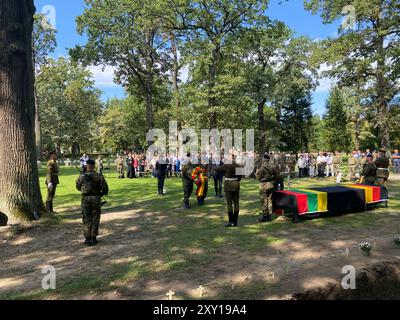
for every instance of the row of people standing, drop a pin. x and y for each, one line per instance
(138, 166)
(324, 164)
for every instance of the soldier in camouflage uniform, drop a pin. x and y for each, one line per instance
(368, 175)
(51, 181)
(352, 162)
(268, 175)
(120, 167)
(187, 181)
(93, 186)
(337, 161)
(382, 172)
(292, 165)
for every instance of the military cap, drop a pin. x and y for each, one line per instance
(91, 162)
(369, 155)
(53, 152)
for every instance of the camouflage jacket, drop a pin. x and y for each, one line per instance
(52, 173)
(92, 184)
(268, 172)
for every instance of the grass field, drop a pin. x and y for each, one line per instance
(149, 245)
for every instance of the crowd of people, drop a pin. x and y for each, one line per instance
(305, 164)
(196, 170)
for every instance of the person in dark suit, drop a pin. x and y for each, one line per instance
(129, 164)
(161, 169)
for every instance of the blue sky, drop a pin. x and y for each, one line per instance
(291, 12)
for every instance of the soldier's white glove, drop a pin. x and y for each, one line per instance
(50, 185)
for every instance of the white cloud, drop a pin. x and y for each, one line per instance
(184, 74)
(103, 78)
(325, 85)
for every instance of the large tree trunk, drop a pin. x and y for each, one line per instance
(75, 149)
(382, 100)
(38, 134)
(175, 70)
(20, 194)
(212, 101)
(148, 87)
(261, 127)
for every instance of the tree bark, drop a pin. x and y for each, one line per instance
(38, 134)
(175, 70)
(212, 101)
(20, 195)
(75, 149)
(382, 101)
(148, 90)
(261, 127)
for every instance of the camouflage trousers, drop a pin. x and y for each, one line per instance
(91, 211)
(266, 191)
(352, 172)
(187, 191)
(121, 173)
(381, 181)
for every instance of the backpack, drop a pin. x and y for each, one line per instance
(87, 185)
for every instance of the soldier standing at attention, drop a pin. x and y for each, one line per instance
(51, 181)
(231, 188)
(187, 181)
(382, 165)
(268, 174)
(100, 166)
(93, 186)
(369, 171)
(396, 161)
(120, 167)
(291, 159)
(352, 162)
(337, 161)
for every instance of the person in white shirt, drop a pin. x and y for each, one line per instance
(301, 163)
(321, 163)
(329, 165)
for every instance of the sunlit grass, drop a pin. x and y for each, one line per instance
(185, 241)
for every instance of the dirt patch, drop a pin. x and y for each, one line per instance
(139, 256)
(378, 282)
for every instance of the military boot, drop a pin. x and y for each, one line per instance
(94, 241)
(235, 218)
(265, 218)
(186, 206)
(87, 241)
(230, 216)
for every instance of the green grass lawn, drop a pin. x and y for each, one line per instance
(182, 242)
